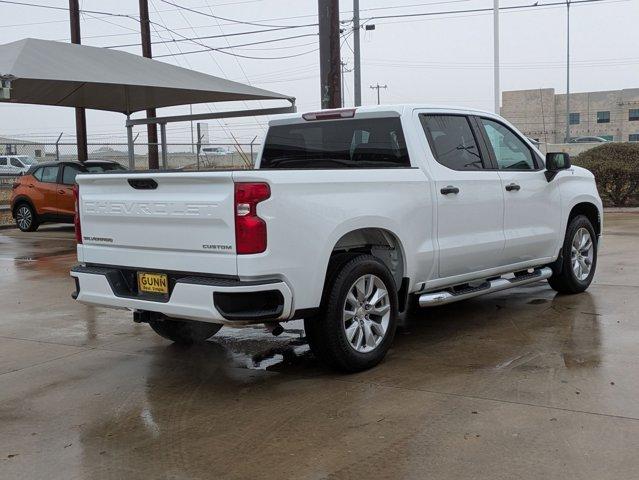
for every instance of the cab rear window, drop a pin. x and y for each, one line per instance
(357, 143)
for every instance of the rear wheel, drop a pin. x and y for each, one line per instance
(579, 258)
(26, 219)
(184, 332)
(359, 316)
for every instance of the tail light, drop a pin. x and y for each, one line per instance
(76, 217)
(250, 230)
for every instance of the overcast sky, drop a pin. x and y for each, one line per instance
(443, 59)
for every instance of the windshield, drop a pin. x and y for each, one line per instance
(361, 143)
(28, 160)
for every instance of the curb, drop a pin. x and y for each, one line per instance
(632, 210)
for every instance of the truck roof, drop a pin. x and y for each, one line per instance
(381, 110)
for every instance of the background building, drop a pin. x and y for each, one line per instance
(541, 114)
(12, 146)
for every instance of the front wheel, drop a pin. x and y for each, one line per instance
(579, 258)
(26, 219)
(184, 332)
(359, 316)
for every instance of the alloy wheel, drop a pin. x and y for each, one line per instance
(24, 217)
(582, 253)
(366, 313)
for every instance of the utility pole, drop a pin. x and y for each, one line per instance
(151, 129)
(496, 55)
(330, 77)
(377, 87)
(567, 71)
(357, 65)
(80, 115)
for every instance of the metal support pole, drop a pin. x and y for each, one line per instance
(496, 55)
(199, 144)
(191, 122)
(165, 163)
(357, 68)
(252, 142)
(330, 88)
(152, 131)
(80, 115)
(131, 146)
(567, 71)
(57, 147)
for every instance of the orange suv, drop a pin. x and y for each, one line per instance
(45, 192)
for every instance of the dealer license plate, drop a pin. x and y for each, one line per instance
(153, 283)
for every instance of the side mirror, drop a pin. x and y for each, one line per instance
(555, 162)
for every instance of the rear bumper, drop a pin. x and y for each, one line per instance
(206, 299)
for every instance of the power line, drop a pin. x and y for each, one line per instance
(219, 121)
(65, 9)
(210, 15)
(381, 17)
(250, 43)
(206, 37)
(213, 49)
(478, 10)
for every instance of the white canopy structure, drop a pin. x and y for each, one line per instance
(45, 72)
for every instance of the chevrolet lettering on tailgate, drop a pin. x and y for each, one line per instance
(148, 209)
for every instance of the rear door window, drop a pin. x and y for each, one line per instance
(358, 143)
(49, 175)
(69, 174)
(452, 141)
(3, 161)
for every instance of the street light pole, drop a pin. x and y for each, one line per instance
(567, 71)
(496, 54)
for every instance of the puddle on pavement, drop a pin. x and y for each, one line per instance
(538, 301)
(253, 347)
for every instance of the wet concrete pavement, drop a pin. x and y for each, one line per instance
(520, 384)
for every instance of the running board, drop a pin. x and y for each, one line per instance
(432, 299)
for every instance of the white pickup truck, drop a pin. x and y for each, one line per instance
(349, 218)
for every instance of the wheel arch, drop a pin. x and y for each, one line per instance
(378, 242)
(590, 211)
(19, 200)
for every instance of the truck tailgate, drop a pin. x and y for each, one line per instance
(162, 221)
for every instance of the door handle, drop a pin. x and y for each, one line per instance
(513, 187)
(61, 192)
(449, 189)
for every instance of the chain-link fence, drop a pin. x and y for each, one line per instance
(6, 181)
(185, 156)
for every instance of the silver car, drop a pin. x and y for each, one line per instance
(15, 164)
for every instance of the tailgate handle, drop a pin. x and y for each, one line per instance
(143, 183)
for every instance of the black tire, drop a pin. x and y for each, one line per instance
(326, 332)
(564, 279)
(184, 332)
(26, 217)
